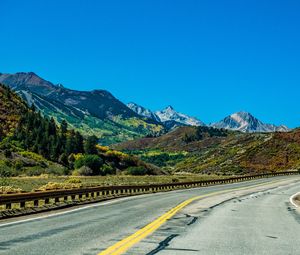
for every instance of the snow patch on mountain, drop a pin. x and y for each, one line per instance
(169, 114)
(142, 111)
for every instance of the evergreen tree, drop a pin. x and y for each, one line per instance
(90, 145)
(78, 143)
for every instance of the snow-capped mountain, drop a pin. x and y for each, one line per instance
(142, 111)
(169, 114)
(246, 122)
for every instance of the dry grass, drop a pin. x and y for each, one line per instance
(31, 183)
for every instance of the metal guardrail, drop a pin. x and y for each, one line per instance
(40, 198)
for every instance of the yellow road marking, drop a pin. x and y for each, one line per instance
(123, 245)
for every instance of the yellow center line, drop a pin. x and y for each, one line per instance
(123, 245)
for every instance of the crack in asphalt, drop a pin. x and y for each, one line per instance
(163, 244)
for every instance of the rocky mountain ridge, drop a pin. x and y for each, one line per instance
(91, 112)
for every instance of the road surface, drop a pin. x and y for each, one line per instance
(245, 224)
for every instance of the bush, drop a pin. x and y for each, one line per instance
(107, 169)
(9, 189)
(57, 170)
(7, 153)
(18, 165)
(73, 180)
(34, 171)
(83, 171)
(93, 162)
(5, 171)
(59, 185)
(137, 170)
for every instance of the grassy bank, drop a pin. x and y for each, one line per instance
(31, 183)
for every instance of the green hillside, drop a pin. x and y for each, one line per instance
(207, 150)
(31, 144)
(95, 112)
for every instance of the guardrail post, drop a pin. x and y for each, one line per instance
(36, 203)
(22, 204)
(47, 201)
(56, 200)
(8, 206)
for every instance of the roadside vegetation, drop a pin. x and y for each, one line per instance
(44, 182)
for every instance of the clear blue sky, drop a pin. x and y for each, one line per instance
(205, 58)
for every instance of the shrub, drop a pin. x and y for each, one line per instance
(59, 185)
(32, 155)
(83, 171)
(34, 171)
(57, 170)
(18, 165)
(9, 189)
(93, 162)
(7, 153)
(5, 171)
(137, 170)
(102, 148)
(107, 169)
(73, 180)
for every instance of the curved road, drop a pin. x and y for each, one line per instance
(246, 224)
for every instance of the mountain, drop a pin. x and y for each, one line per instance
(13, 158)
(142, 111)
(246, 122)
(169, 114)
(95, 112)
(31, 144)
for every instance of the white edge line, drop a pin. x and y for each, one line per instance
(292, 199)
(65, 212)
(97, 204)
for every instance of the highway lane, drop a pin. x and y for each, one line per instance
(93, 229)
(264, 222)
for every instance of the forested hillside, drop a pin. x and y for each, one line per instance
(31, 144)
(11, 108)
(95, 112)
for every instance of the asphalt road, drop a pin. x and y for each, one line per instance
(233, 227)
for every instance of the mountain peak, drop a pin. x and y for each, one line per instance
(242, 113)
(142, 111)
(169, 114)
(32, 73)
(169, 108)
(245, 122)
